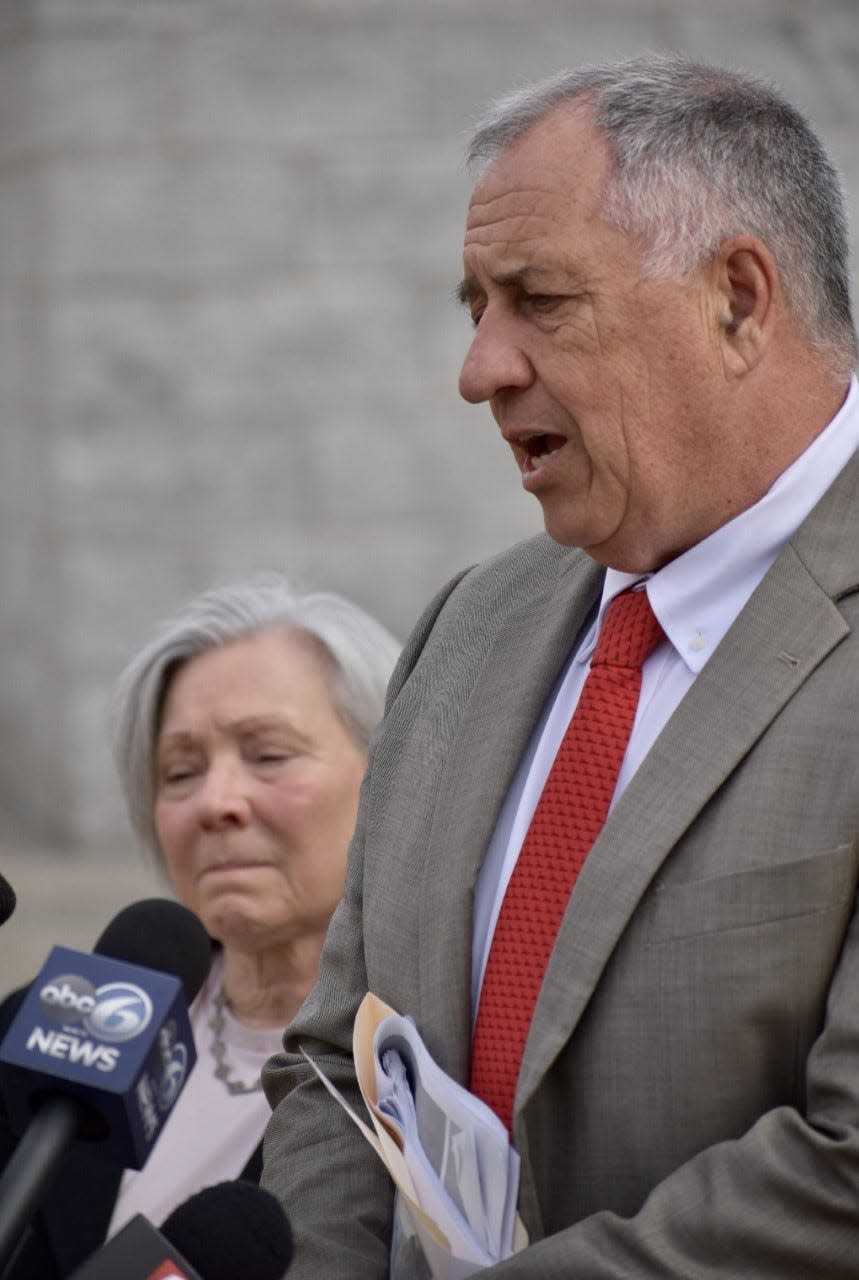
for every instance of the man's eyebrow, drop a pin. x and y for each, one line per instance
(466, 291)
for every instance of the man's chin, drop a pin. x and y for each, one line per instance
(612, 549)
(575, 533)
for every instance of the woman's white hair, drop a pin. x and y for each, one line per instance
(359, 652)
(699, 154)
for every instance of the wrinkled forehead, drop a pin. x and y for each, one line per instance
(539, 202)
(559, 167)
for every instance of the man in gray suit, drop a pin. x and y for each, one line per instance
(655, 263)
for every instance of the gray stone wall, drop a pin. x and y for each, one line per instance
(229, 231)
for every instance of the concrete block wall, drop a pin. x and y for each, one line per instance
(229, 230)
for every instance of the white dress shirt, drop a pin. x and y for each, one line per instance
(696, 598)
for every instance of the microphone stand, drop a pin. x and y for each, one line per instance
(33, 1166)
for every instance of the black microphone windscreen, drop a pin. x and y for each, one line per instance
(7, 900)
(160, 934)
(10, 1007)
(232, 1229)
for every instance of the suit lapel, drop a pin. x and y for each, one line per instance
(787, 628)
(515, 678)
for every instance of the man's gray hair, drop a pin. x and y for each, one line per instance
(359, 652)
(699, 154)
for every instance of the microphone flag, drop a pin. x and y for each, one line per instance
(116, 1036)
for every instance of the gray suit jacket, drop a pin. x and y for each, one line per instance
(688, 1102)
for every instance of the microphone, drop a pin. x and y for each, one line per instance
(99, 1049)
(158, 933)
(7, 900)
(223, 1232)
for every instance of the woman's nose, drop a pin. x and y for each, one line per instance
(224, 799)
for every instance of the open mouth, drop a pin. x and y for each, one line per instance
(538, 449)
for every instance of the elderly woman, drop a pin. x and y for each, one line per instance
(241, 739)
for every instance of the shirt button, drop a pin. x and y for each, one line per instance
(698, 642)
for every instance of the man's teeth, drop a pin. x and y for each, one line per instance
(537, 451)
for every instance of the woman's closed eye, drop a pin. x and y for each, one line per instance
(269, 753)
(178, 772)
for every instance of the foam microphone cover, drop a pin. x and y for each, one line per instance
(111, 1031)
(163, 935)
(232, 1229)
(7, 900)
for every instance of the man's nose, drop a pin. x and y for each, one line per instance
(495, 361)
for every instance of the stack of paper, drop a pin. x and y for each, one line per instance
(457, 1176)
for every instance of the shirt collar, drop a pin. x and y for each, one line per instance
(697, 596)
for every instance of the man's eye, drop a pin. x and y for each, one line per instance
(476, 314)
(541, 301)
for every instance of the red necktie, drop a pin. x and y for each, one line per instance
(569, 816)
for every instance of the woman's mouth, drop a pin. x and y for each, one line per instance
(232, 865)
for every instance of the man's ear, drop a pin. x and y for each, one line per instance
(747, 283)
